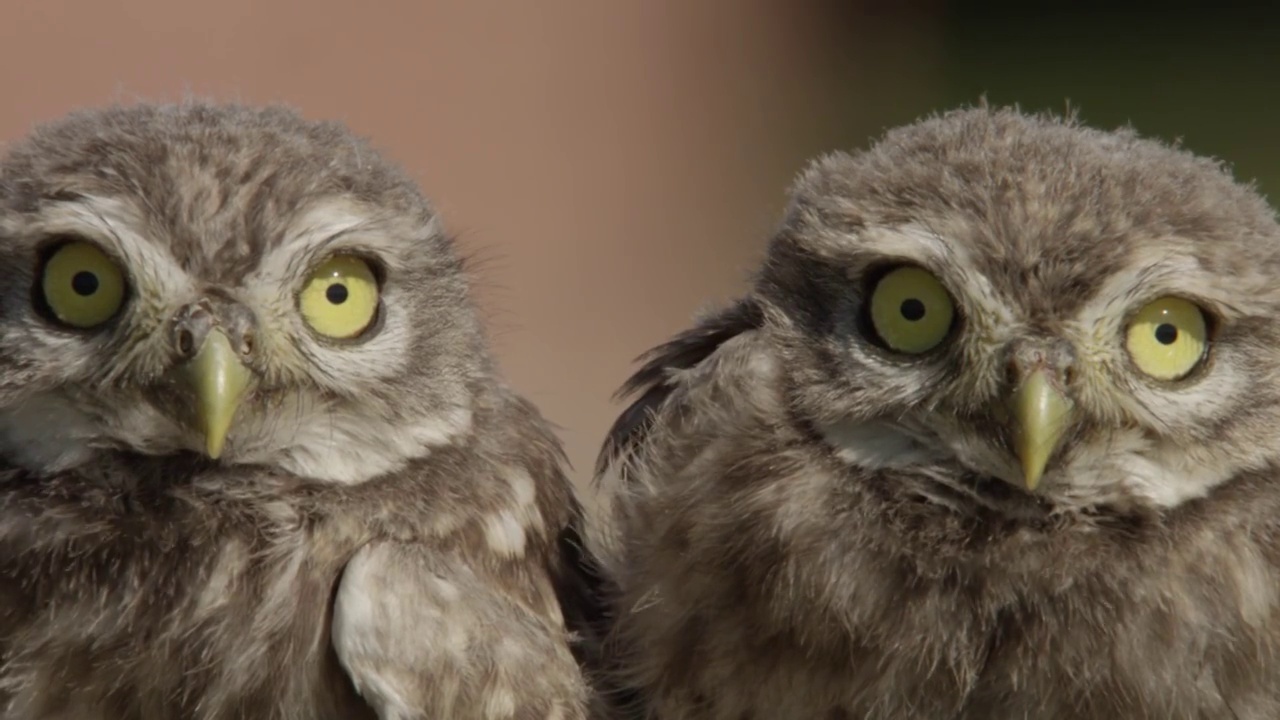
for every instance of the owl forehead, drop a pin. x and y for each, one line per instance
(1019, 284)
(209, 245)
(213, 229)
(1041, 213)
(216, 189)
(1045, 260)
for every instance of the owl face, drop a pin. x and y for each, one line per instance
(238, 283)
(1085, 316)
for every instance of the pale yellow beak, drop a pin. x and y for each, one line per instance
(219, 381)
(1041, 415)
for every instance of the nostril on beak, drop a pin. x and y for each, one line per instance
(1069, 375)
(190, 327)
(1064, 358)
(186, 343)
(1057, 356)
(193, 323)
(1012, 370)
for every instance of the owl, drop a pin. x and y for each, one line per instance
(256, 461)
(994, 434)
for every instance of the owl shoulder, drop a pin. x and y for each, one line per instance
(670, 376)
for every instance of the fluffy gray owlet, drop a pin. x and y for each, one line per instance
(256, 461)
(995, 434)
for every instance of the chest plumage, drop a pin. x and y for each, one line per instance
(158, 589)
(168, 596)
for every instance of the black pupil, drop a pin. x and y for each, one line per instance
(912, 309)
(1166, 334)
(336, 293)
(84, 283)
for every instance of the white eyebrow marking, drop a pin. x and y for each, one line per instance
(915, 242)
(328, 227)
(115, 225)
(317, 230)
(952, 263)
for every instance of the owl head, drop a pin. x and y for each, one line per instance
(1021, 302)
(234, 282)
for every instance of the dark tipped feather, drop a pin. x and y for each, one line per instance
(682, 352)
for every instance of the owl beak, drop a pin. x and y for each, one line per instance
(1041, 415)
(219, 380)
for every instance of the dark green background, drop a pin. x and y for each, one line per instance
(1207, 74)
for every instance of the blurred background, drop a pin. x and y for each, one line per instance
(615, 166)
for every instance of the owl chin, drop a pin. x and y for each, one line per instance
(968, 474)
(878, 445)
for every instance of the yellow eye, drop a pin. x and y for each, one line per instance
(340, 298)
(81, 285)
(911, 311)
(1168, 338)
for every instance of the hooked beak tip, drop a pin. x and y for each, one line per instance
(214, 444)
(1031, 474)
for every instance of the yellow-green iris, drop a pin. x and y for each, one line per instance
(82, 286)
(911, 311)
(1167, 338)
(340, 298)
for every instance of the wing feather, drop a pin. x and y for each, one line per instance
(652, 381)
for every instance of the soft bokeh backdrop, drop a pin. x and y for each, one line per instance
(614, 167)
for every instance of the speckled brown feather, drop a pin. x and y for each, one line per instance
(143, 581)
(764, 572)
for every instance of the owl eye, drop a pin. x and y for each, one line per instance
(81, 286)
(1168, 338)
(340, 297)
(911, 311)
